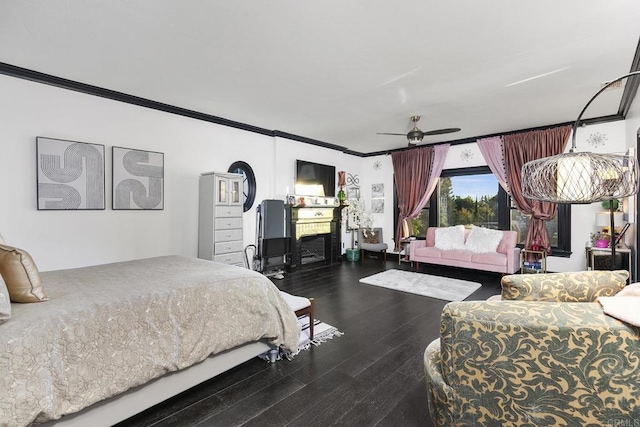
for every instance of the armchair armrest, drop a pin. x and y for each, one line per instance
(581, 286)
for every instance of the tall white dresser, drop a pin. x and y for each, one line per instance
(220, 222)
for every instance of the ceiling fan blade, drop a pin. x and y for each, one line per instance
(442, 131)
(385, 133)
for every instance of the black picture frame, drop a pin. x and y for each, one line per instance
(69, 175)
(138, 179)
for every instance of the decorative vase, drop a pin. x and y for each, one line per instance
(353, 254)
(602, 243)
(342, 196)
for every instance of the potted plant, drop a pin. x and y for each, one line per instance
(355, 216)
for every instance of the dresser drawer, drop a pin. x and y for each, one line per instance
(235, 258)
(228, 211)
(228, 223)
(226, 247)
(228, 235)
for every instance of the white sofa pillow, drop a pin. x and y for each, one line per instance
(483, 240)
(448, 238)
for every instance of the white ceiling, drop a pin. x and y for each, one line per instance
(339, 71)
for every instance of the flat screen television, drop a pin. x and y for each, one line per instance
(310, 176)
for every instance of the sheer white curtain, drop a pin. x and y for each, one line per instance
(492, 150)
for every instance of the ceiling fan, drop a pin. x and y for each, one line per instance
(415, 135)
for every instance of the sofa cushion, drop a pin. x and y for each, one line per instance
(458, 255)
(491, 259)
(428, 252)
(483, 240)
(581, 286)
(448, 238)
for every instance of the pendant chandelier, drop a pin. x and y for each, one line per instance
(576, 177)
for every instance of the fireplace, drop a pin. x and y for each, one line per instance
(315, 236)
(313, 248)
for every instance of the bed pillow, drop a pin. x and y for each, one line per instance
(448, 238)
(20, 275)
(483, 240)
(5, 303)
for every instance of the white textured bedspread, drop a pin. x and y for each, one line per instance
(112, 327)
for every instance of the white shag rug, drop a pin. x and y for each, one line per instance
(443, 288)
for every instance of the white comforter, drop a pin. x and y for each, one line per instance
(111, 327)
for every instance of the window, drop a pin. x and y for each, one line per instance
(473, 196)
(468, 199)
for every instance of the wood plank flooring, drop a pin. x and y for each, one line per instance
(371, 376)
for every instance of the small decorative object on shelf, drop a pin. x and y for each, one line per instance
(533, 261)
(342, 196)
(536, 244)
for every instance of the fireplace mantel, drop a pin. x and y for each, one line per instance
(309, 222)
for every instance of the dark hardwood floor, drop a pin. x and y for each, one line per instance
(371, 376)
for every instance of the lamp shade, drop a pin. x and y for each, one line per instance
(603, 219)
(342, 178)
(576, 177)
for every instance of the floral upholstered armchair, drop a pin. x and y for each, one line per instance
(545, 355)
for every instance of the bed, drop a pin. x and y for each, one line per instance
(142, 330)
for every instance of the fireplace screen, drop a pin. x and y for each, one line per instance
(313, 248)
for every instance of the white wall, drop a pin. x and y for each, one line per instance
(66, 239)
(632, 124)
(468, 155)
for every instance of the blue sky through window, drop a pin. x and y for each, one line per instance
(474, 185)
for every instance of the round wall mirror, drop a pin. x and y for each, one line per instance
(248, 182)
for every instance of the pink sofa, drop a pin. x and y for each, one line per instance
(506, 259)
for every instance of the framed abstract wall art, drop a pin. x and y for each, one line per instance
(70, 175)
(138, 179)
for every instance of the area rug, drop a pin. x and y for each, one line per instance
(443, 288)
(322, 332)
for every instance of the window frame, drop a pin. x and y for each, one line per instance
(563, 249)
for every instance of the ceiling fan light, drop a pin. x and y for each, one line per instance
(415, 136)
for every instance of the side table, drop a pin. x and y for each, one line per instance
(403, 255)
(600, 259)
(535, 267)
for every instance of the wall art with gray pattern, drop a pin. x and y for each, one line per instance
(70, 175)
(138, 179)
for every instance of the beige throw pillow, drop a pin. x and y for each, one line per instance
(20, 275)
(371, 236)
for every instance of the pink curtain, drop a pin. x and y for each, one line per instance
(415, 174)
(493, 153)
(521, 148)
(439, 156)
